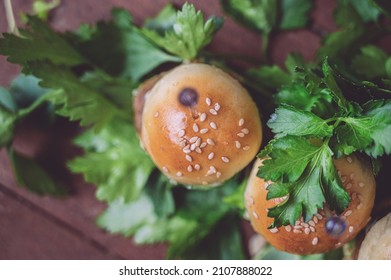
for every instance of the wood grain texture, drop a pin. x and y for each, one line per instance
(33, 227)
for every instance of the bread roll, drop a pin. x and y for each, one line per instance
(199, 125)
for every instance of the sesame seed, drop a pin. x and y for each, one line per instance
(193, 139)
(241, 122)
(195, 127)
(181, 133)
(297, 223)
(315, 241)
(315, 219)
(359, 206)
(245, 131)
(225, 159)
(179, 174)
(193, 146)
(297, 231)
(190, 168)
(348, 213)
(204, 130)
(339, 173)
(203, 145)
(343, 179)
(349, 186)
(198, 142)
(203, 117)
(213, 111)
(305, 225)
(156, 114)
(217, 106)
(312, 229)
(211, 155)
(208, 101)
(288, 228)
(165, 169)
(312, 223)
(240, 134)
(307, 231)
(198, 150)
(352, 176)
(320, 217)
(255, 215)
(182, 144)
(298, 227)
(354, 196)
(212, 168)
(213, 125)
(218, 174)
(360, 197)
(197, 167)
(349, 159)
(237, 144)
(246, 148)
(186, 149)
(361, 184)
(351, 229)
(189, 158)
(210, 142)
(273, 230)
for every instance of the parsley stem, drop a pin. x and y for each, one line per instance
(11, 18)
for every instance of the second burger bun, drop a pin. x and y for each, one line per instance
(206, 135)
(311, 237)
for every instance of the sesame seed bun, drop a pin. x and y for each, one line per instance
(199, 125)
(310, 237)
(377, 242)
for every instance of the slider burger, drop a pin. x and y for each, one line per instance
(198, 124)
(325, 231)
(377, 242)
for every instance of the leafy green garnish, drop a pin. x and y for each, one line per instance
(113, 161)
(201, 227)
(300, 159)
(188, 35)
(265, 16)
(31, 175)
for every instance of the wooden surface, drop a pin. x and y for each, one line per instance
(34, 227)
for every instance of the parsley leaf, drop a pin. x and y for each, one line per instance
(189, 34)
(287, 120)
(305, 172)
(365, 8)
(7, 119)
(190, 230)
(384, 6)
(76, 100)
(30, 174)
(113, 161)
(38, 43)
(371, 62)
(294, 13)
(123, 51)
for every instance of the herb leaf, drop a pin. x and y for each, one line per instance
(189, 34)
(38, 43)
(305, 172)
(113, 161)
(32, 176)
(287, 120)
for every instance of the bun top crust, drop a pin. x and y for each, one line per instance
(206, 135)
(310, 237)
(377, 242)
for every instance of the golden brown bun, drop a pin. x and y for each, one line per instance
(311, 237)
(377, 242)
(230, 135)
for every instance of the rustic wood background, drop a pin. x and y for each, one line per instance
(34, 227)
